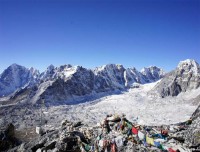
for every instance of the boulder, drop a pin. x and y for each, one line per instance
(7, 137)
(68, 144)
(192, 134)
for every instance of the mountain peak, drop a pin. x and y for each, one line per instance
(152, 69)
(50, 67)
(186, 77)
(187, 62)
(153, 73)
(15, 65)
(189, 66)
(15, 77)
(110, 66)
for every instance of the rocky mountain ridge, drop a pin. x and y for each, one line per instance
(184, 78)
(68, 82)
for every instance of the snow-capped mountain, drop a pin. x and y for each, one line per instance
(132, 76)
(52, 72)
(65, 84)
(185, 77)
(152, 73)
(60, 84)
(68, 82)
(189, 67)
(15, 77)
(110, 76)
(121, 77)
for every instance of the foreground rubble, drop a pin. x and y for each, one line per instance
(114, 134)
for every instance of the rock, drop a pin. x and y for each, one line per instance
(7, 132)
(65, 122)
(37, 146)
(49, 146)
(77, 124)
(39, 150)
(7, 137)
(192, 135)
(68, 144)
(10, 131)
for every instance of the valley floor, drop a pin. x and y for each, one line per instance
(138, 104)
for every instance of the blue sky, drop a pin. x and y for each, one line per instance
(134, 33)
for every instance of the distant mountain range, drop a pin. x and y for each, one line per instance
(67, 82)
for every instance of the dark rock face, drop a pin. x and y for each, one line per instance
(7, 138)
(80, 84)
(10, 131)
(67, 144)
(185, 77)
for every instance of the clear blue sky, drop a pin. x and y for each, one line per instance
(135, 33)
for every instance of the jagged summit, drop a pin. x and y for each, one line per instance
(63, 72)
(184, 78)
(153, 73)
(152, 69)
(14, 65)
(109, 67)
(50, 67)
(189, 66)
(188, 62)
